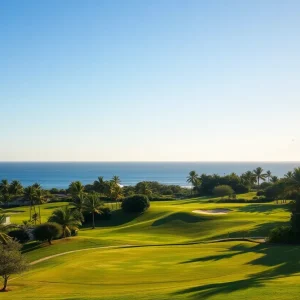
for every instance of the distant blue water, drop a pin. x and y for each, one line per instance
(60, 174)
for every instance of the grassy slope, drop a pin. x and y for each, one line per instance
(167, 222)
(211, 271)
(181, 272)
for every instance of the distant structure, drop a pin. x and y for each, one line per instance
(7, 220)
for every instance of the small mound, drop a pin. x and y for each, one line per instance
(220, 211)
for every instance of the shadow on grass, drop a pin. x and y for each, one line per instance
(282, 261)
(180, 216)
(262, 208)
(57, 206)
(118, 218)
(260, 230)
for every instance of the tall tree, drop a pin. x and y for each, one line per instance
(289, 175)
(76, 188)
(248, 179)
(294, 186)
(79, 202)
(40, 198)
(100, 185)
(93, 206)
(116, 180)
(259, 175)
(117, 193)
(4, 191)
(29, 194)
(274, 179)
(268, 175)
(144, 188)
(4, 186)
(16, 188)
(193, 179)
(68, 218)
(11, 261)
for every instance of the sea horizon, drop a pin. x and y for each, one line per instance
(59, 174)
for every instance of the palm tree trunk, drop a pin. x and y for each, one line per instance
(30, 208)
(93, 220)
(40, 214)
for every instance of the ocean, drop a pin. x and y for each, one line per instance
(60, 174)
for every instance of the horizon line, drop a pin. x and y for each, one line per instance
(150, 161)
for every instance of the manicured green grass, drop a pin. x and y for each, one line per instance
(209, 271)
(159, 269)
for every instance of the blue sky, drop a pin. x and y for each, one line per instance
(149, 80)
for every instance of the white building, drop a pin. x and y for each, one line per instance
(6, 220)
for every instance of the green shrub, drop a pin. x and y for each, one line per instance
(48, 232)
(135, 204)
(223, 190)
(260, 193)
(20, 235)
(241, 189)
(282, 234)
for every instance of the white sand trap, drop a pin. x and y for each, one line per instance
(220, 211)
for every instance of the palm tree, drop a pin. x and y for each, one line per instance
(116, 180)
(259, 175)
(93, 206)
(294, 181)
(193, 179)
(100, 185)
(39, 198)
(69, 219)
(274, 179)
(117, 193)
(76, 188)
(29, 194)
(4, 190)
(16, 188)
(4, 186)
(248, 178)
(37, 186)
(144, 188)
(79, 202)
(288, 175)
(3, 229)
(268, 175)
(294, 186)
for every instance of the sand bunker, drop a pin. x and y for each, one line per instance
(220, 211)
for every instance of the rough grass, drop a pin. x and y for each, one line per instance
(158, 270)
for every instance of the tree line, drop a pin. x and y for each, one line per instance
(257, 180)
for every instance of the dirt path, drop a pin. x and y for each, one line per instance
(249, 239)
(74, 251)
(219, 211)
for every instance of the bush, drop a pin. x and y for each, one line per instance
(282, 234)
(241, 189)
(20, 235)
(260, 193)
(223, 190)
(264, 185)
(47, 232)
(135, 204)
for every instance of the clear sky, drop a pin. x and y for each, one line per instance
(151, 80)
